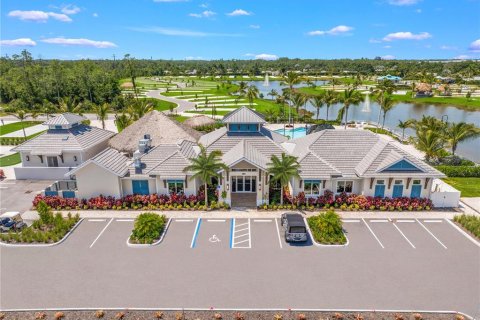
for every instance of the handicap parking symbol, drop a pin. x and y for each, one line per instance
(214, 239)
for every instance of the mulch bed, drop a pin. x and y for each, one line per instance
(227, 315)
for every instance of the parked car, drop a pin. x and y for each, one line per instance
(8, 224)
(294, 226)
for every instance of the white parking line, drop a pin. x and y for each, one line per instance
(262, 220)
(124, 220)
(216, 220)
(238, 230)
(241, 224)
(373, 233)
(103, 230)
(379, 220)
(403, 235)
(432, 221)
(96, 220)
(245, 235)
(405, 221)
(242, 235)
(431, 234)
(183, 220)
(350, 221)
(278, 233)
(3, 187)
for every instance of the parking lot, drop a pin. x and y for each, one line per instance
(409, 264)
(17, 195)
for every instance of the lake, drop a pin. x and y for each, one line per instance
(402, 111)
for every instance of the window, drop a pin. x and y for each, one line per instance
(380, 181)
(57, 127)
(52, 161)
(175, 186)
(311, 187)
(417, 182)
(244, 170)
(344, 186)
(243, 127)
(398, 182)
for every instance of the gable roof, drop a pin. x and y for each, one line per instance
(245, 150)
(64, 119)
(109, 159)
(313, 167)
(55, 142)
(161, 128)
(243, 115)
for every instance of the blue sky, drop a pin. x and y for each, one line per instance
(232, 29)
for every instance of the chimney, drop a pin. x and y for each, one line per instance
(136, 159)
(144, 144)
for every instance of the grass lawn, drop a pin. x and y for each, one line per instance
(209, 113)
(470, 187)
(161, 105)
(10, 160)
(12, 127)
(461, 102)
(180, 118)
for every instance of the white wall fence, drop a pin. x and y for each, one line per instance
(41, 173)
(444, 195)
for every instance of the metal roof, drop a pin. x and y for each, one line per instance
(243, 115)
(109, 159)
(65, 118)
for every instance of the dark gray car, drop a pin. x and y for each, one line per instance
(294, 226)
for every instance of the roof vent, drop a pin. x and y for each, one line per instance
(136, 159)
(65, 138)
(144, 144)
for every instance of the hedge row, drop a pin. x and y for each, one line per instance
(460, 171)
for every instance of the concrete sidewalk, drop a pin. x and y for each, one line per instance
(252, 213)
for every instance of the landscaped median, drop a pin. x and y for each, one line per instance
(326, 229)
(148, 229)
(49, 229)
(470, 223)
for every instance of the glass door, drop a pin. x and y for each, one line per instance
(244, 184)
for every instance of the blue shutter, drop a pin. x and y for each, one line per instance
(416, 191)
(68, 194)
(380, 190)
(140, 187)
(397, 191)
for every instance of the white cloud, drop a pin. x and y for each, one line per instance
(462, 57)
(203, 5)
(444, 47)
(80, 42)
(338, 30)
(38, 16)
(374, 41)
(262, 56)
(182, 32)
(70, 9)
(403, 2)
(387, 47)
(193, 58)
(239, 12)
(475, 46)
(388, 57)
(254, 26)
(21, 42)
(418, 11)
(407, 36)
(204, 14)
(95, 15)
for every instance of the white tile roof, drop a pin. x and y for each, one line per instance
(64, 119)
(243, 115)
(109, 159)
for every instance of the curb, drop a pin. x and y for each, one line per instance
(247, 309)
(324, 245)
(29, 245)
(142, 245)
(469, 237)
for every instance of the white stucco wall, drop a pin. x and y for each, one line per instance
(93, 181)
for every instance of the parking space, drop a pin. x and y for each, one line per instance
(17, 195)
(114, 235)
(180, 234)
(212, 234)
(86, 233)
(266, 234)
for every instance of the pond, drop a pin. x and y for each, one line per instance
(402, 111)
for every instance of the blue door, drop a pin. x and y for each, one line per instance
(140, 187)
(68, 194)
(397, 191)
(380, 190)
(416, 191)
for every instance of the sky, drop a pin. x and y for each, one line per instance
(248, 29)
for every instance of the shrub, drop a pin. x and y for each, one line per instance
(460, 171)
(158, 315)
(59, 315)
(278, 317)
(417, 316)
(239, 316)
(327, 228)
(45, 213)
(99, 314)
(148, 228)
(338, 316)
(40, 315)
(120, 315)
(217, 316)
(459, 317)
(301, 316)
(2, 315)
(469, 222)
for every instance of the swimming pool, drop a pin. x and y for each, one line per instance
(293, 133)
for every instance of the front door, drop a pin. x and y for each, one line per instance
(380, 190)
(397, 191)
(140, 187)
(244, 184)
(416, 191)
(52, 161)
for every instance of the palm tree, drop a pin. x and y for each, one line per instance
(122, 121)
(334, 82)
(283, 169)
(273, 93)
(48, 108)
(350, 97)
(458, 132)
(383, 88)
(242, 88)
(139, 109)
(318, 101)
(70, 104)
(330, 97)
(387, 104)
(270, 114)
(297, 100)
(22, 116)
(206, 166)
(102, 110)
(291, 79)
(404, 125)
(252, 93)
(430, 142)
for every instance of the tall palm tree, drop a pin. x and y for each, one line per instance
(122, 121)
(139, 108)
(291, 79)
(334, 82)
(430, 142)
(458, 132)
(297, 100)
(318, 101)
(206, 166)
(404, 125)
(387, 104)
(22, 116)
(252, 93)
(273, 93)
(70, 104)
(330, 97)
(283, 169)
(350, 97)
(102, 110)
(383, 88)
(242, 88)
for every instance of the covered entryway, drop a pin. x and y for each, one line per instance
(244, 199)
(244, 191)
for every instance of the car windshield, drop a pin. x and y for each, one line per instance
(297, 229)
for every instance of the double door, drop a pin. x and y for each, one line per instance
(244, 184)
